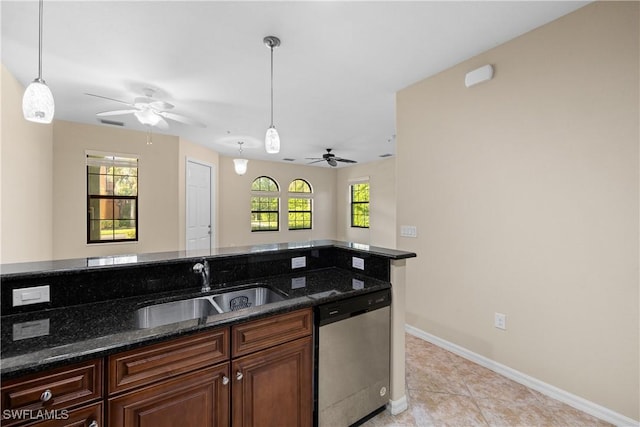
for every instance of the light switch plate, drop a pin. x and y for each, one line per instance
(408, 231)
(298, 282)
(34, 295)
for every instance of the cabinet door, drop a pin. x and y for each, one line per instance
(199, 399)
(272, 388)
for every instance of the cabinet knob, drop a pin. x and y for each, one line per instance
(94, 423)
(46, 395)
(239, 375)
(225, 380)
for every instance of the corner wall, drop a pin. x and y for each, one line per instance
(528, 204)
(382, 180)
(26, 228)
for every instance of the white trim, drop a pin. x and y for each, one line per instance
(570, 399)
(397, 406)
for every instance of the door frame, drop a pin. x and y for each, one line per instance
(213, 202)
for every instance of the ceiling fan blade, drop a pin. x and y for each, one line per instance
(160, 105)
(110, 99)
(115, 113)
(162, 124)
(315, 161)
(339, 159)
(180, 118)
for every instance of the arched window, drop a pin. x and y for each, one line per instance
(300, 200)
(265, 204)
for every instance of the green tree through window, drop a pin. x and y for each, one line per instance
(112, 198)
(299, 205)
(360, 205)
(265, 205)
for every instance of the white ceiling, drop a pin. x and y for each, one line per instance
(335, 74)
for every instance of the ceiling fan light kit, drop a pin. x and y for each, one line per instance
(272, 139)
(37, 101)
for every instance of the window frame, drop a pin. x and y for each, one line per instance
(268, 194)
(111, 197)
(300, 195)
(354, 203)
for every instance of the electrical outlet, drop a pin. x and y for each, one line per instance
(357, 263)
(298, 262)
(500, 321)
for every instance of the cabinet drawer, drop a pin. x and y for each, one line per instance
(81, 417)
(156, 362)
(264, 333)
(67, 386)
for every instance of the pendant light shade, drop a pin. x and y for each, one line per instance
(240, 165)
(272, 139)
(37, 102)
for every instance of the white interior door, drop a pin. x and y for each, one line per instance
(198, 206)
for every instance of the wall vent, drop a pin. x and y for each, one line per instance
(287, 159)
(386, 155)
(111, 122)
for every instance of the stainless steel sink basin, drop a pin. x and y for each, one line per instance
(202, 307)
(172, 312)
(245, 298)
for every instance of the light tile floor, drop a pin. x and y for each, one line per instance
(444, 389)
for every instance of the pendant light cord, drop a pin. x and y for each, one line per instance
(271, 84)
(40, 44)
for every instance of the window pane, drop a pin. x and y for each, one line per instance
(125, 185)
(101, 209)
(106, 230)
(124, 229)
(264, 183)
(299, 186)
(125, 209)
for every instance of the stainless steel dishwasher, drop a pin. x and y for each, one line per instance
(352, 359)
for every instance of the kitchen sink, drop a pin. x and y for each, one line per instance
(173, 312)
(245, 298)
(202, 307)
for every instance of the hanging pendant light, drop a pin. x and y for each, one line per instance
(37, 102)
(272, 139)
(240, 165)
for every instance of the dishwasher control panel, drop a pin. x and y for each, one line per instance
(338, 310)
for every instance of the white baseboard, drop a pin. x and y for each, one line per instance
(570, 399)
(398, 406)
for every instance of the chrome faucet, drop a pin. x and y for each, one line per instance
(203, 268)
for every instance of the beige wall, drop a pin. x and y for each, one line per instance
(528, 204)
(235, 202)
(382, 180)
(198, 153)
(25, 171)
(157, 187)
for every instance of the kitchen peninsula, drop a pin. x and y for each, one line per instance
(92, 323)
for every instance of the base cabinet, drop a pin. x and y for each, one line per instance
(199, 399)
(272, 388)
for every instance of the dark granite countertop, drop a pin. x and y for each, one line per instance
(87, 331)
(115, 261)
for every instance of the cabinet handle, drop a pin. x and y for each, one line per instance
(225, 380)
(239, 375)
(94, 423)
(46, 395)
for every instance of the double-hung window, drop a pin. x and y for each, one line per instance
(112, 198)
(360, 205)
(265, 204)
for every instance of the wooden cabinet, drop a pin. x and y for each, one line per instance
(182, 382)
(272, 371)
(257, 374)
(272, 388)
(198, 399)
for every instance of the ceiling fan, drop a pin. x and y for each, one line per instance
(148, 110)
(330, 158)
